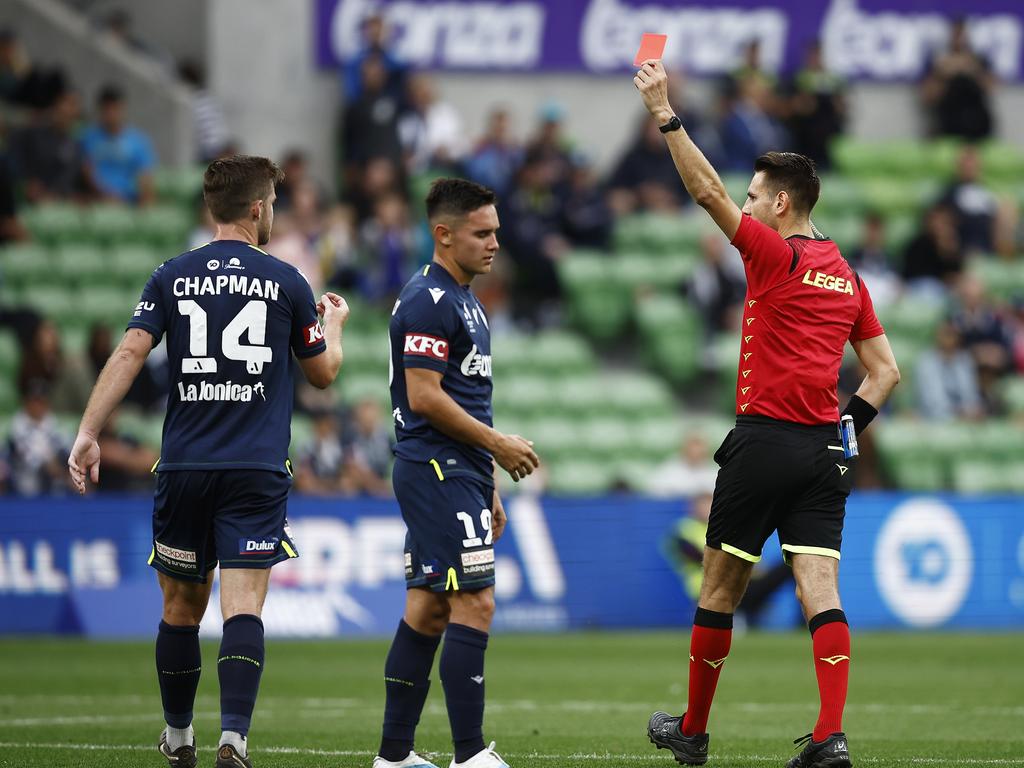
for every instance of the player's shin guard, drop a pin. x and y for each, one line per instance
(709, 646)
(178, 666)
(239, 667)
(406, 681)
(830, 638)
(462, 675)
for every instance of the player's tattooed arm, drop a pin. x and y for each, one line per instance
(427, 398)
(699, 177)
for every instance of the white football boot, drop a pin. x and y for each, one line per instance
(411, 761)
(486, 758)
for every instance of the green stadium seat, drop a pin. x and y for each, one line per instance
(180, 186)
(524, 395)
(26, 263)
(605, 439)
(972, 476)
(580, 478)
(107, 305)
(597, 305)
(1003, 279)
(917, 473)
(84, 265)
(357, 387)
(8, 394)
(110, 223)
(302, 436)
(844, 230)
(147, 428)
(556, 439)
(165, 226)
(636, 394)
(54, 223)
(1002, 161)
(1013, 394)
(912, 319)
(10, 353)
(133, 264)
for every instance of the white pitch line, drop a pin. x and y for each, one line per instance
(585, 756)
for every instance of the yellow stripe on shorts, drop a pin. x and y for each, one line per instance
(437, 468)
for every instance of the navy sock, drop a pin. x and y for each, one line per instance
(239, 666)
(178, 665)
(462, 675)
(406, 681)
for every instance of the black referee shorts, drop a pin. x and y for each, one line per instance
(777, 475)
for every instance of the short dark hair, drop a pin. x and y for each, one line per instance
(109, 94)
(793, 173)
(457, 197)
(230, 184)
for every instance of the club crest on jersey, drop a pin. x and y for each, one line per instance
(476, 364)
(422, 345)
(828, 282)
(314, 334)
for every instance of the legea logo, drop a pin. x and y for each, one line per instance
(924, 562)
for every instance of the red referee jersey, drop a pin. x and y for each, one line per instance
(803, 303)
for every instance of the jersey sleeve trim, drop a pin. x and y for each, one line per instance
(155, 332)
(302, 354)
(416, 361)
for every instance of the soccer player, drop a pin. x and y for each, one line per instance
(233, 315)
(782, 467)
(447, 457)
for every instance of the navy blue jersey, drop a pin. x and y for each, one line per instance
(232, 314)
(440, 325)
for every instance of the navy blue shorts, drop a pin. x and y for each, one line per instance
(234, 516)
(449, 545)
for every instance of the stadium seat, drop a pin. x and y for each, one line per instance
(1002, 160)
(84, 265)
(179, 186)
(1003, 279)
(357, 387)
(110, 223)
(917, 473)
(912, 319)
(10, 353)
(132, 265)
(164, 226)
(25, 263)
(973, 476)
(580, 478)
(8, 394)
(1013, 394)
(597, 305)
(53, 223)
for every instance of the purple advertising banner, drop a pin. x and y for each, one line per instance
(862, 39)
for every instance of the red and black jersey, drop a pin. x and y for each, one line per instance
(803, 303)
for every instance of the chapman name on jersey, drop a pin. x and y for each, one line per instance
(440, 325)
(232, 314)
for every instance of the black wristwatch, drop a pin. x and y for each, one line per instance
(672, 125)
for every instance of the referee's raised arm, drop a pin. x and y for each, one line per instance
(699, 177)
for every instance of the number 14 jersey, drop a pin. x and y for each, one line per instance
(232, 314)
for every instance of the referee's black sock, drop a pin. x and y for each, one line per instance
(407, 682)
(239, 667)
(178, 666)
(462, 675)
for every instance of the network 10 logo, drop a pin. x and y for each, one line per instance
(924, 562)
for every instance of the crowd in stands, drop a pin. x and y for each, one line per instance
(397, 132)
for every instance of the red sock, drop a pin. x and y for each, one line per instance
(709, 646)
(830, 638)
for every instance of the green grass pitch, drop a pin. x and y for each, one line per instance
(555, 701)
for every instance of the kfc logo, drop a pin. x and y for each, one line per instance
(314, 334)
(426, 346)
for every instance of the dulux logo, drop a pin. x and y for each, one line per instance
(257, 546)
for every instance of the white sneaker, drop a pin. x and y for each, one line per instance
(412, 761)
(486, 758)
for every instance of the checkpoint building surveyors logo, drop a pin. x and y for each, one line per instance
(924, 562)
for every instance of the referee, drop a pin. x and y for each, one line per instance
(783, 468)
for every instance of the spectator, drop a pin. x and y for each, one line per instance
(531, 219)
(587, 219)
(372, 446)
(431, 130)
(873, 263)
(718, 286)
(374, 44)
(976, 208)
(23, 84)
(689, 473)
(338, 248)
(11, 228)
(48, 155)
(983, 331)
(127, 464)
(117, 24)
(958, 88)
(381, 176)
(751, 73)
(816, 107)
(645, 178)
(297, 176)
(747, 129)
(391, 247)
(370, 122)
(550, 143)
(934, 255)
(324, 467)
(37, 447)
(150, 389)
(67, 376)
(497, 155)
(119, 157)
(947, 380)
(211, 127)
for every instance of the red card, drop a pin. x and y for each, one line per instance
(651, 47)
